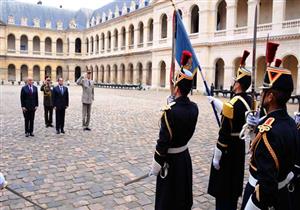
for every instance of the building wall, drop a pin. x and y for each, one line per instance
(211, 45)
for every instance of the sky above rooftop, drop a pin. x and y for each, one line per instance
(72, 4)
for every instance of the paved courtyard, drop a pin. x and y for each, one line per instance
(87, 170)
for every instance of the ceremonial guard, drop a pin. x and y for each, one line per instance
(274, 148)
(227, 170)
(172, 162)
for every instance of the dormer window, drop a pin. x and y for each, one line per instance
(48, 24)
(11, 20)
(36, 22)
(24, 21)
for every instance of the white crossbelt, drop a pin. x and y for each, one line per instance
(235, 134)
(177, 149)
(282, 184)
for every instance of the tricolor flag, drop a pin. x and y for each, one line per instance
(182, 42)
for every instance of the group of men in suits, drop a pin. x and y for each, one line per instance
(56, 98)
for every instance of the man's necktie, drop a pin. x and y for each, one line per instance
(62, 90)
(30, 89)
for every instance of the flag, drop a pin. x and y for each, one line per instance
(182, 43)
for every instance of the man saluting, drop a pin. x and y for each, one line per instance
(172, 162)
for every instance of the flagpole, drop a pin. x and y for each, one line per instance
(208, 92)
(172, 70)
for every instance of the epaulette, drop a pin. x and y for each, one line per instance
(168, 106)
(267, 125)
(228, 107)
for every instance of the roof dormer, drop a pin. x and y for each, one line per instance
(103, 17)
(24, 21)
(117, 11)
(48, 24)
(59, 25)
(11, 20)
(110, 14)
(36, 22)
(124, 9)
(132, 6)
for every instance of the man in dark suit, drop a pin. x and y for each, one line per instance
(29, 104)
(60, 103)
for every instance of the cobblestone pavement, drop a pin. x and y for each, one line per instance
(86, 170)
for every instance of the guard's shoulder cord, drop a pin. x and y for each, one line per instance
(164, 115)
(262, 134)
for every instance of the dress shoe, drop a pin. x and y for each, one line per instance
(27, 134)
(57, 132)
(47, 126)
(85, 129)
(31, 134)
(88, 129)
(62, 131)
(51, 125)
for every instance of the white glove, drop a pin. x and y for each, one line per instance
(217, 158)
(155, 168)
(297, 117)
(217, 102)
(3, 183)
(250, 205)
(252, 118)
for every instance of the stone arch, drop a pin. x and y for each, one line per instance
(149, 73)
(11, 42)
(11, 72)
(122, 67)
(242, 13)
(48, 45)
(265, 11)
(139, 73)
(36, 44)
(115, 74)
(24, 72)
(194, 19)
(292, 9)
(77, 73)
(24, 44)
(130, 73)
(150, 30)
(162, 68)
(48, 71)
(219, 73)
(221, 15)
(164, 26)
(78, 45)
(291, 62)
(59, 45)
(260, 70)
(36, 73)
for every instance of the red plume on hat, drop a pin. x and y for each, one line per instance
(271, 51)
(245, 55)
(278, 62)
(186, 55)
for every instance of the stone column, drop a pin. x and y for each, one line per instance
(71, 47)
(144, 80)
(53, 47)
(146, 35)
(18, 73)
(136, 37)
(231, 18)
(30, 71)
(120, 40)
(18, 44)
(42, 74)
(170, 29)
(251, 14)
(278, 14)
(156, 32)
(228, 75)
(30, 47)
(53, 73)
(42, 47)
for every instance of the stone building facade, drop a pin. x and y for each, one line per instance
(130, 41)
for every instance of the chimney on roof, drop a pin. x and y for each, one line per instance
(39, 2)
(60, 6)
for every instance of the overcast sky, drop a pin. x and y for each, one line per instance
(72, 4)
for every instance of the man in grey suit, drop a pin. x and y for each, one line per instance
(87, 98)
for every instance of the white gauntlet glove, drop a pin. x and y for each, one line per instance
(297, 117)
(217, 102)
(3, 183)
(217, 158)
(155, 168)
